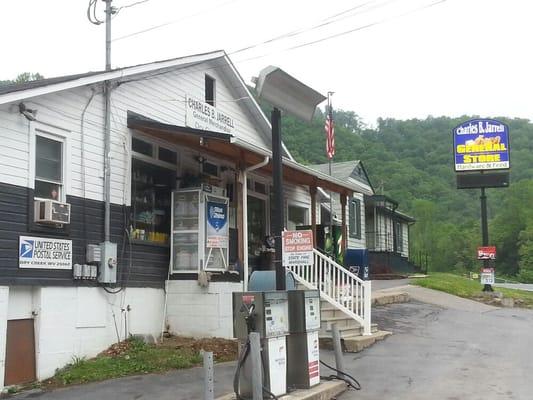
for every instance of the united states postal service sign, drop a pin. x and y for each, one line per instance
(45, 253)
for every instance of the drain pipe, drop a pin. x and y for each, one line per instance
(245, 216)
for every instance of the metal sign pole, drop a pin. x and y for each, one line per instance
(485, 232)
(278, 206)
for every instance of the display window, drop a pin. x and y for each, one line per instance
(152, 183)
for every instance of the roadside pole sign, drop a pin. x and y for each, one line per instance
(297, 248)
(486, 253)
(487, 276)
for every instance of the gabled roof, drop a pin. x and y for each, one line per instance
(18, 92)
(347, 169)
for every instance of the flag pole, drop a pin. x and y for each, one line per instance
(330, 156)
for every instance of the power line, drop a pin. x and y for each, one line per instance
(129, 6)
(322, 23)
(91, 13)
(173, 21)
(359, 28)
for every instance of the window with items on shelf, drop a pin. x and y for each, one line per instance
(152, 186)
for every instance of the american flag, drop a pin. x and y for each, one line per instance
(330, 134)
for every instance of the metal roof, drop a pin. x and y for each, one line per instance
(346, 169)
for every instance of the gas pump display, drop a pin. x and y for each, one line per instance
(303, 359)
(266, 313)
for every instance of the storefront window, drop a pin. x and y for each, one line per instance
(256, 225)
(150, 201)
(296, 216)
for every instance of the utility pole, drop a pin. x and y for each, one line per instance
(107, 126)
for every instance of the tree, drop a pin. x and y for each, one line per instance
(23, 77)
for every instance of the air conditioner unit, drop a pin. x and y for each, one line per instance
(51, 212)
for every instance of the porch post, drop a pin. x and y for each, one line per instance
(239, 199)
(343, 213)
(312, 191)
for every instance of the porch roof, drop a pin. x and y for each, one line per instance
(232, 148)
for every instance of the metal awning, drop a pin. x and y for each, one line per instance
(231, 148)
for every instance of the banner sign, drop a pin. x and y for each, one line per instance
(200, 115)
(46, 253)
(487, 276)
(481, 144)
(297, 248)
(486, 253)
(217, 225)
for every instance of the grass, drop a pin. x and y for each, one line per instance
(138, 358)
(470, 289)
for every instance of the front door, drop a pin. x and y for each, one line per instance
(257, 218)
(20, 352)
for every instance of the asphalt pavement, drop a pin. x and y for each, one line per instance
(519, 286)
(442, 347)
(450, 350)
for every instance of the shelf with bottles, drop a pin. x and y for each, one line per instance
(149, 235)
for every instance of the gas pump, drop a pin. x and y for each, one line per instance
(266, 313)
(303, 359)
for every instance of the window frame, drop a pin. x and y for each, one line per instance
(213, 86)
(301, 205)
(354, 219)
(58, 135)
(398, 236)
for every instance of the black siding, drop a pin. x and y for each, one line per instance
(149, 263)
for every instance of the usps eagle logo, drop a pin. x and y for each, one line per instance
(26, 248)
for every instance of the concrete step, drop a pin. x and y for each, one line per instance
(347, 331)
(381, 298)
(356, 343)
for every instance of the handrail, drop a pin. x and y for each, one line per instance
(338, 286)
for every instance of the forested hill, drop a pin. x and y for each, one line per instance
(412, 162)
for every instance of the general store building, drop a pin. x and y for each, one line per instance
(184, 123)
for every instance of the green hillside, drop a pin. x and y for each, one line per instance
(412, 162)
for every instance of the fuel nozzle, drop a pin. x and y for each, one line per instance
(249, 316)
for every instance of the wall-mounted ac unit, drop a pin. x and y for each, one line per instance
(51, 212)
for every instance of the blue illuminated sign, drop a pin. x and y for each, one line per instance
(481, 144)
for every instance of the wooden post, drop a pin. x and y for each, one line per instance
(343, 212)
(312, 191)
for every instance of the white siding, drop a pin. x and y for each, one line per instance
(160, 97)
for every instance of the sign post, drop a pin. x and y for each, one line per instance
(482, 160)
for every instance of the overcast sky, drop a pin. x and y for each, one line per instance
(404, 58)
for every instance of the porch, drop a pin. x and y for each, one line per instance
(244, 175)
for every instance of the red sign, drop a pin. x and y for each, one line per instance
(297, 248)
(486, 253)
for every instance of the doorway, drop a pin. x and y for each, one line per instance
(20, 352)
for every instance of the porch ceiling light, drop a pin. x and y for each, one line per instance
(287, 93)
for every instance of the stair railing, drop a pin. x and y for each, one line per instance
(338, 286)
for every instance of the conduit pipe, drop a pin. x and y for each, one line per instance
(245, 217)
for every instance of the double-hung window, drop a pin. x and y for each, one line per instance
(49, 165)
(354, 222)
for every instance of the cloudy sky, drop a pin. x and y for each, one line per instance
(382, 58)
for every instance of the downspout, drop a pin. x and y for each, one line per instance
(245, 217)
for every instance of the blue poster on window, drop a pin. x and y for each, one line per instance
(217, 224)
(481, 144)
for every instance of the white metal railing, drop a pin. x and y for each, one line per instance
(338, 286)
